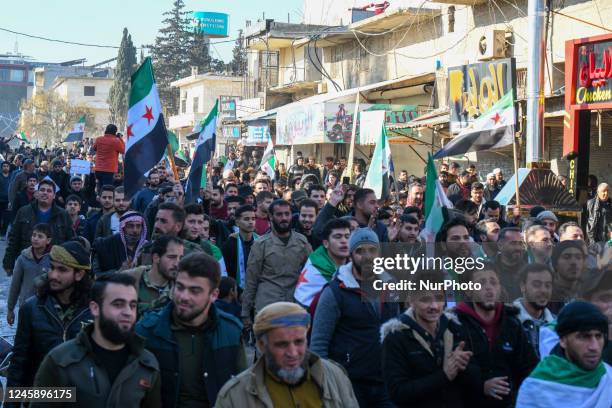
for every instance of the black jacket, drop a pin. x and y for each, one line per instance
(23, 225)
(329, 212)
(511, 355)
(108, 254)
(39, 329)
(599, 220)
(413, 373)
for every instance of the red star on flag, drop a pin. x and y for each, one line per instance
(129, 131)
(302, 278)
(148, 115)
(497, 118)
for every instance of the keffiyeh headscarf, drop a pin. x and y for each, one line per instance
(133, 216)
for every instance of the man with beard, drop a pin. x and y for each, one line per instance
(415, 195)
(491, 189)
(469, 210)
(144, 197)
(510, 259)
(287, 370)
(424, 361)
(169, 220)
(568, 261)
(304, 220)
(346, 325)
(536, 287)
(539, 244)
(262, 220)
(198, 346)
(41, 210)
(60, 178)
(460, 190)
(454, 242)
(573, 375)
(407, 232)
(238, 246)
(324, 261)
(502, 354)
(54, 315)
(487, 233)
(105, 199)
(218, 205)
(274, 264)
(106, 362)
(120, 251)
(109, 222)
(316, 193)
(154, 282)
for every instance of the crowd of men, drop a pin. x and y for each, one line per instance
(155, 302)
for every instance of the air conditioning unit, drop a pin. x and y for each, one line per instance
(492, 45)
(321, 87)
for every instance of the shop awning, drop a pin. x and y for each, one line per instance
(434, 118)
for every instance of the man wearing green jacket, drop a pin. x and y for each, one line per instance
(106, 363)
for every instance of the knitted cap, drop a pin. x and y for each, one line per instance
(72, 254)
(362, 236)
(280, 314)
(580, 316)
(547, 215)
(562, 246)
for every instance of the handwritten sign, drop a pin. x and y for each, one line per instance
(80, 166)
(474, 88)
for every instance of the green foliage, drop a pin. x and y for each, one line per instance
(120, 90)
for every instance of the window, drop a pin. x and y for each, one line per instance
(183, 105)
(89, 91)
(196, 103)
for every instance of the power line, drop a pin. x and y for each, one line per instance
(38, 37)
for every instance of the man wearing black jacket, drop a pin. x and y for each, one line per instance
(424, 356)
(238, 245)
(502, 353)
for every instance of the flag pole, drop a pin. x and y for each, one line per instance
(348, 172)
(516, 176)
(172, 164)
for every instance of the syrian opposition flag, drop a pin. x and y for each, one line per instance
(378, 174)
(556, 382)
(23, 137)
(318, 270)
(146, 130)
(76, 135)
(493, 129)
(435, 200)
(204, 149)
(268, 161)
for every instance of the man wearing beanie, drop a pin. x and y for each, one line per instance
(550, 222)
(54, 315)
(573, 375)
(346, 325)
(568, 260)
(287, 370)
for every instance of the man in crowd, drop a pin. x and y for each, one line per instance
(109, 222)
(60, 178)
(54, 315)
(108, 148)
(582, 331)
(199, 347)
(424, 360)
(503, 355)
(41, 210)
(491, 189)
(324, 261)
(85, 193)
(316, 193)
(25, 196)
(476, 194)
(536, 289)
(274, 263)
(305, 220)
(154, 282)
(550, 222)
(218, 205)
(499, 177)
(539, 244)
(570, 231)
(20, 180)
(460, 190)
(238, 246)
(599, 211)
(510, 259)
(402, 181)
(120, 370)
(298, 169)
(262, 220)
(487, 233)
(121, 250)
(144, 197)
(105, 199)
(346, 327)
(415, 195)
(287, 370)
(568, 261)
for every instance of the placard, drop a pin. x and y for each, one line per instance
(80, 166)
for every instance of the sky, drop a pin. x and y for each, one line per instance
(102, 21)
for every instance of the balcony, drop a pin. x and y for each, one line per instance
(184, 120)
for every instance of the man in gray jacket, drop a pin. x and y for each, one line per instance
(274, 263)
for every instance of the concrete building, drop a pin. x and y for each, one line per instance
(88, 91)
(198, 94)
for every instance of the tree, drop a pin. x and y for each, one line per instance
(169, 55)
(120, 90)
(51, 118)
(238, 64)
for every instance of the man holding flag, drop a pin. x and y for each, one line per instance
(146, 135)
(204, 149)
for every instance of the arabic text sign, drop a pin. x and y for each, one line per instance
(300, 123)
(474, 88)
(80, 166)
(258, 133)
(594, 73)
